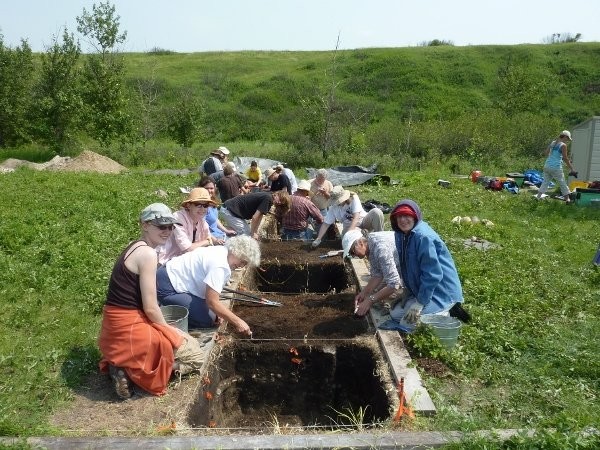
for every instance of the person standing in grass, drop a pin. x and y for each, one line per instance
(195, 280)
(137, 345)
(384, 267)
(426, 267)
(557, 154)
(191, 230)
(217, 230)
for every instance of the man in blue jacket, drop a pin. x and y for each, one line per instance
(426, 266)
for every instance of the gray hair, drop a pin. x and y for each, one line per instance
(245, 248)
(322, 172)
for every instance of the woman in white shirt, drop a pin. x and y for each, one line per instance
(195, 280)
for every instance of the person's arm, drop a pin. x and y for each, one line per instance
(215, 305)
(255, 223)
(224, 229)
(145, 261)
(565, 157)
(354, 221)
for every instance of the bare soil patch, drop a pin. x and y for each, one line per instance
(87, 161)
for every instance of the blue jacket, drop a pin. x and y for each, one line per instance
(427, 267)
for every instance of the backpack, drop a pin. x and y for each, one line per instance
(208, 166)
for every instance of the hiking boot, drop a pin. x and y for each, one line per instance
(121, 382)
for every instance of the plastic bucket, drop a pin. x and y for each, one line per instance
(446, 328)
(176, 315)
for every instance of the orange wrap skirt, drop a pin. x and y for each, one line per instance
(144, 349)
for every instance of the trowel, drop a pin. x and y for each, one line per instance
(331, 253)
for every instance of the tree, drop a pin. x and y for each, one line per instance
(16, 78)
(104, 91)
(561, 38)
(58, 92)
(101, 28)
(185, 119)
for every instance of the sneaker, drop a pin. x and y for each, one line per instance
(121, 382)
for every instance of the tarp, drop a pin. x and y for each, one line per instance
(350, 175)
(344, 175)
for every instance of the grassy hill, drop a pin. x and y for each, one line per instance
(419, 102)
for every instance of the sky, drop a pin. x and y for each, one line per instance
(229, 25)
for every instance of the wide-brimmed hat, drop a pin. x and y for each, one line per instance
(269, 172)
(349, 239)
(198, 195)
(158, 214)
(339, 195)
(303, 185)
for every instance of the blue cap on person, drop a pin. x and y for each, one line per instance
(158, 214)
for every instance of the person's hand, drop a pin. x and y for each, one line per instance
(230, 232)
(316, 243)
(413, 312)
(572, 173)
(243, 328)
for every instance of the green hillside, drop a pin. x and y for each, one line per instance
(475, 103)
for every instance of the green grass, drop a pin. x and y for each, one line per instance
(528, 360)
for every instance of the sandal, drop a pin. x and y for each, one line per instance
(121, 382)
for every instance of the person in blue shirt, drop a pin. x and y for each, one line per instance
(553, 167)
(426, 266)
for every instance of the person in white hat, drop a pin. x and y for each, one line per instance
(385, 282)
(138, 347)
(347, 209)
(295, 224)
(557, 154)
(214, 162)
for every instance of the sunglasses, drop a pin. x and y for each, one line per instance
(203, 205)
(164, 227)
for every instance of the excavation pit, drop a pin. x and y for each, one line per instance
(266, 387)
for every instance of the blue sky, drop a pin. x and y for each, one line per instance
(224, 25)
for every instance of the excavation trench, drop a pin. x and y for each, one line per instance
(311, 362)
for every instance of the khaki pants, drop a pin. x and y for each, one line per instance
(189, 355)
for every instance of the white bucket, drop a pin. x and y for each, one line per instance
(446, 328)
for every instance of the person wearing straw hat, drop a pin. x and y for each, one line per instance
(347, 209)
(295, 224)
(278, 180)
(192, 231)
(426, 267)
(218, 231)
(384, 282)
(138, 347)
(195, 280)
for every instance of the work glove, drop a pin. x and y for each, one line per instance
(316, 243)
(572, 173)
(413, 312)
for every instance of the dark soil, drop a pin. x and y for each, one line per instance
(304, 316)
(261, 387)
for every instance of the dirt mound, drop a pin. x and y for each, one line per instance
(87, 161)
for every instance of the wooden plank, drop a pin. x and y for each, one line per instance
(397, 355)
